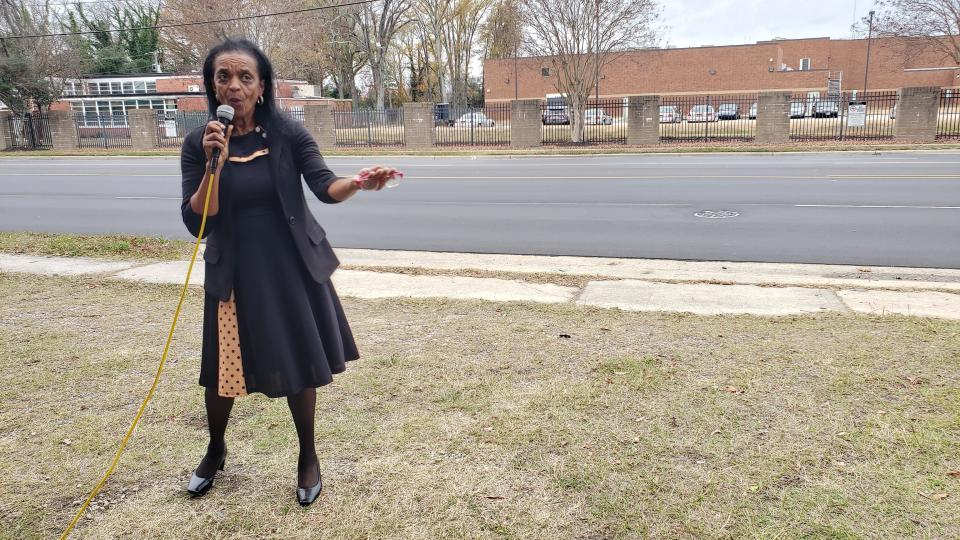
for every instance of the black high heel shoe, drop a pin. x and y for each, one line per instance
(306, 496)
(200, 485)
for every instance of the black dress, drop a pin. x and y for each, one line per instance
(282, 331)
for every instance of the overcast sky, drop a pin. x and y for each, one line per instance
(690, 23)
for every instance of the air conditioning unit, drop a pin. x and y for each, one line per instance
(193, 88)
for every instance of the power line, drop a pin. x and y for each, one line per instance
(179, 25)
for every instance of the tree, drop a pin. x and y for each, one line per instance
(933, 23)
(378, 23)
(459, 30)
(580, 37)
(122, 40)
(32, 70)
(502, 32)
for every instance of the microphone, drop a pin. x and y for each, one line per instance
(225, 116)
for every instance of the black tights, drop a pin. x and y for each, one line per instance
(303, 407)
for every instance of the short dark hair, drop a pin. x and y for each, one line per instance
(265, 113)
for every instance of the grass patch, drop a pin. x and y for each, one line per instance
(144, 248)
(477, 420)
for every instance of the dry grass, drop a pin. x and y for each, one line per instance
(140, 248)
(475, 420)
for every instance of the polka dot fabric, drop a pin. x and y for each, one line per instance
(230, 380)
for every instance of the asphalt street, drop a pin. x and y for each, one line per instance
(891, 209)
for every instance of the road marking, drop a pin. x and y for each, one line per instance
(876, 206)
(152, 198)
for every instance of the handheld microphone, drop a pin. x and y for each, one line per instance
(225, 116)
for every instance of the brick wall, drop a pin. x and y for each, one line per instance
(525, 124)
(773, 117)
(917, 114)
(737, 68)
(418, 128)
(143, 129)
(643, 120)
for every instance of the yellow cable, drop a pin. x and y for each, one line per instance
(156, 378)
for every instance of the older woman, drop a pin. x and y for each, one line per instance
(272, 322)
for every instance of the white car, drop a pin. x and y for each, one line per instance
(702, 113)
(474, 119)
(596, 117)
(670, 114)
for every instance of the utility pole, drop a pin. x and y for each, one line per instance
(516, 72)
(866, 72)
(597, 50)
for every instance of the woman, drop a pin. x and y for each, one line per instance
(272, 322)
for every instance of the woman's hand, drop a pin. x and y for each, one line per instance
(375, 178)
(214, 137)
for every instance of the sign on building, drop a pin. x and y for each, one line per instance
(857, 114)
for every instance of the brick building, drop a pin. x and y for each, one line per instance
(795, 64)
(106, 100)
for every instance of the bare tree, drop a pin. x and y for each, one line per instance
(188, 45)
(502, 31)
(32, 70)
(932, 23)
(378, 23)
(458, 37)
(580, 37)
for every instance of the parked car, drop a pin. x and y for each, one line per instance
(597, 117)
(702, 113)
(474, 119)
(826, 109)
(728, 111)
(798, 109)
(670, 115)
(552, 117)
(753, 112)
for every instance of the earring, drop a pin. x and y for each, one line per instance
(260, 99)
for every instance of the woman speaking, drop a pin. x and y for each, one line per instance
(272, 322)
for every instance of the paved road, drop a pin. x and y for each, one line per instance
(895, 209)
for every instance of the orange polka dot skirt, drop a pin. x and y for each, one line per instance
(230, 381)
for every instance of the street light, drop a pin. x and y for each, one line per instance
(866, 72)
(597, 50)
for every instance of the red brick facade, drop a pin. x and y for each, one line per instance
(894, 64)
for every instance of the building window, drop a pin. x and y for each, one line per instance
(804, 64)
(140, 87)
(152, 87)
(545, 72)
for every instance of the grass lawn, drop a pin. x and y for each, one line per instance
(141, 248)
(478, 420)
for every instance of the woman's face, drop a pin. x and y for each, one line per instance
(237, 83)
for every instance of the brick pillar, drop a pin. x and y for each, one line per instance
(418, 128)
(318, 119)
(143, 129)
(63, 130)
(5, 141)
(525, 124)
(917, 114)
(773, 117)
(643, 120)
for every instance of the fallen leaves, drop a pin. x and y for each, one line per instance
(733, 390)
(955, 474)
(934, 496)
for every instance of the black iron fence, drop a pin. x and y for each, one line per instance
(369, 127)
(708, 118)
(472, 126)
(172, 127)
(28, 132)
(102, 130)
(868, 116)
(604, 122)
(948, 121)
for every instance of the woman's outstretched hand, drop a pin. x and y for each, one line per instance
(376, 178)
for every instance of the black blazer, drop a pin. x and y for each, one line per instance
(293, 153)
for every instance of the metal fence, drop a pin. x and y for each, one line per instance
(102, 130)
(708, 118)
(369, 127)
(172, 127)
(472, 126)
(28, 132)
(869, 116)
(604, 122)
(948, 121)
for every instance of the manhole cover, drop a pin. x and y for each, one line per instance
(716, 214)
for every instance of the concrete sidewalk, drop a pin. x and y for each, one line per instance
(706, 288)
